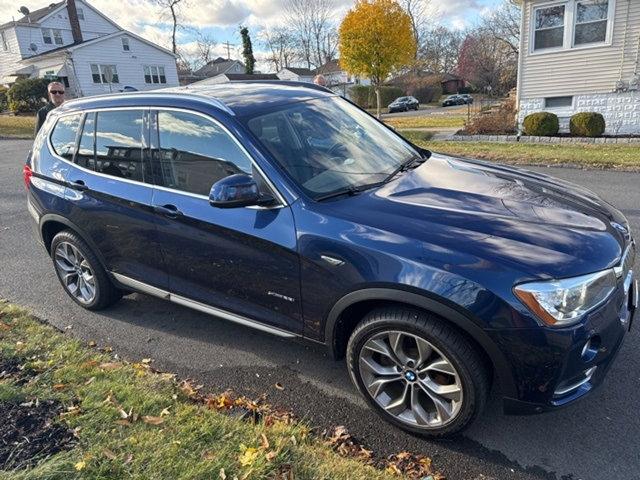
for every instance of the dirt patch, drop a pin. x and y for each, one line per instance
(29, 433)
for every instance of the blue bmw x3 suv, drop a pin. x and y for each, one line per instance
(286, 208)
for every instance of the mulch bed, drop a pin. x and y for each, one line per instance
(29, 431)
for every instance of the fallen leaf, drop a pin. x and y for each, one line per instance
(222, 474)
(270, 456)
(265, 441)
(59, 386)
(128, 459)
(27, 404)
(152, 420)
(123, 413)
(109, 454)
(208, 455)
(279, 386)
(90, 381)
(80, 465)
(249, 456)
(92, 343)
(165, 412)
(146, 360)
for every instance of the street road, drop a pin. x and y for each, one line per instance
(595, 439)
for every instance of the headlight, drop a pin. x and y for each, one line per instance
(559, 303)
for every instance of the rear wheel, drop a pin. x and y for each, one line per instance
(418, 372)
(80, 272)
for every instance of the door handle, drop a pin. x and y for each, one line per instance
(78, 185)
(170, 211)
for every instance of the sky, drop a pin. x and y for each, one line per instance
(220, 19)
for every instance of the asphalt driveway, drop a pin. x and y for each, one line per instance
(595, 439)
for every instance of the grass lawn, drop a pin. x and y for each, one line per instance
(11, 126)
(123, 420)
(585, 155)
(426, 121)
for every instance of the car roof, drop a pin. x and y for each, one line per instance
(233, 98)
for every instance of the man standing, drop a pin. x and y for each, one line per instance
(56, 98)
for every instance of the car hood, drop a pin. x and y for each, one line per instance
(534, 223)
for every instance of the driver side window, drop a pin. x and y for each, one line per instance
(194, 153)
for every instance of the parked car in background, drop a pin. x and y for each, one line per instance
(467, 98)
(453, 100)
(404, 104)
(284, 207)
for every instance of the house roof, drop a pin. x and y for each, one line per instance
(39, 14)
(330, 67)
(300, 71)
(216, 67)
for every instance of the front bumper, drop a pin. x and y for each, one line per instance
(556, 367)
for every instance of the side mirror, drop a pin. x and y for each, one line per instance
(235, 191)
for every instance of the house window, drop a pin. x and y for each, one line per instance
(591, 22)
(549, 27)
(80, 13)
(46, 36)
(154, 74)
(57, 36)
(558, 102)
(125, 44)
(4, 41)
(102, 73)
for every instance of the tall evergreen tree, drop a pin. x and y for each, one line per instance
(247, 51)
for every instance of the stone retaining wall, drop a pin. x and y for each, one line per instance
(526, 139)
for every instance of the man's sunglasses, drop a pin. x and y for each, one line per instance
(57, 92)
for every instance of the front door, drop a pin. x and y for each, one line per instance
(241, 260)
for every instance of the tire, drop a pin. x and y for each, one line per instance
(450, 352)
(71, 255)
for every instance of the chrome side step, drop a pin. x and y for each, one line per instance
(172, 297)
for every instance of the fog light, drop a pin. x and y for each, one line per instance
(590, 349)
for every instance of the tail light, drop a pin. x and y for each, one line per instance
(27, 174)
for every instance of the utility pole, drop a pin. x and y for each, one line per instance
(228, 45)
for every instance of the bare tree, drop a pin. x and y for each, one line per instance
(504, 24)
(420, 12)
(440, 49)
(314, 30)
(173, 7)
(281, 44)
(204, 48)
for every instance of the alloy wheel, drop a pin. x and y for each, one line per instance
(410, 379)
(75, 272)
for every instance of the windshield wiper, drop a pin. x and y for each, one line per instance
(413, 162)
(350, 191)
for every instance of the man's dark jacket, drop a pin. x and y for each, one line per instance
(41, 116)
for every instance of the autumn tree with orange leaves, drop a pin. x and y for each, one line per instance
(376, 38)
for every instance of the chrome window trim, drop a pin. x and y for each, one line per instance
(82, 112)
(202, 307)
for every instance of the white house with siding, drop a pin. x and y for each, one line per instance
(581, 56)
(84, 49)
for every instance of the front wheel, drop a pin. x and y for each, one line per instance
(417, 372)
(80, 272)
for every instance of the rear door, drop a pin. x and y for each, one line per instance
(240, 260)
(110, 193)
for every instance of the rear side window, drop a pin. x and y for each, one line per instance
(119, 145)
(86, 149)
(63, 137)
(195, 153)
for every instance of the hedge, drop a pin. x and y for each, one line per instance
(543, 124)
(27, 95)
(365, 95)
(3, 99)
(587, 124)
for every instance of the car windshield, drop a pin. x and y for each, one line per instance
(328, 145)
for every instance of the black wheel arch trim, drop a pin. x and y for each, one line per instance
(459, 319)
(52, 217)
